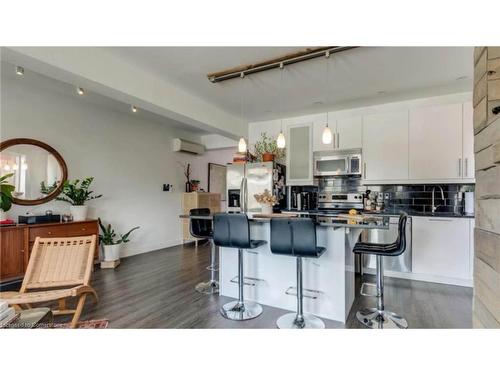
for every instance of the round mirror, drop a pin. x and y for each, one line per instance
(38, 171)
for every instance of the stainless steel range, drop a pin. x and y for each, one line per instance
(343, 201)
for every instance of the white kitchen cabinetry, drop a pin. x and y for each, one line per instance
(299, 154)
(468, 170)
(385, 147)
(436, 142)
(346, 131)
(441, 248)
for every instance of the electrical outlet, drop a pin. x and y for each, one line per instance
(168, 187)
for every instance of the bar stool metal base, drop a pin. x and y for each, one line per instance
(374, 318)
(207, 287)
(290, 321)
(241, 311)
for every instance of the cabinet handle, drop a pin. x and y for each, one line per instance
(459, 167)
(338, 140)
(466, 167)
(49, 233)
(334, 140)
(491, 72)
(440, 219)
(496, 110)
(364, 170)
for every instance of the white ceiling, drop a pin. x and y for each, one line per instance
(363, 76)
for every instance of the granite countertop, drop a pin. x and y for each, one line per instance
(388, 212)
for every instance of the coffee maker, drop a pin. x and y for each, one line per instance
(302, 198)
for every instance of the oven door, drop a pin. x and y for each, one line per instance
(331, 165)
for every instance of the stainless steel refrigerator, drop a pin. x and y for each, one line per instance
(243, 181)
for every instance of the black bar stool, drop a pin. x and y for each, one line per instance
(202, 228)
(378, 317)
(296, 237)
(233, 230)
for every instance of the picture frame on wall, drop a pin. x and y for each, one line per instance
(217, 179)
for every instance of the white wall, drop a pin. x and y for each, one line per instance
(129, 157)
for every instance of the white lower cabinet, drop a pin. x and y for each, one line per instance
(442, 247)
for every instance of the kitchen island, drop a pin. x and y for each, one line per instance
(270, 279)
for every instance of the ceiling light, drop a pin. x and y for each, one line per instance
(133, 109)
(280, 141)
(242, 145)
(19, 70)
(327, 137)
(80, 91)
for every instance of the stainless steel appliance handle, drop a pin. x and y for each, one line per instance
(244, 195)
(440, 219)
(466, 167)
(459, 167)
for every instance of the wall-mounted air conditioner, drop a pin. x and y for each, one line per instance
(181, 145)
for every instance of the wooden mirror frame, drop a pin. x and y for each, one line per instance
(46, 147)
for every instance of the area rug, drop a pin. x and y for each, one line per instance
(85, 324)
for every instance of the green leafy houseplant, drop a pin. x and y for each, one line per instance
(108, 235)
(268, 145)
(6, 190)
(77, 193)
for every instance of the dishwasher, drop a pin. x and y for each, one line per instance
(401, 263)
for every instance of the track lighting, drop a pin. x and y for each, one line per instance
(280, 141)
(19, 70)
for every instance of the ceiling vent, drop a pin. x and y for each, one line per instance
(180, 145)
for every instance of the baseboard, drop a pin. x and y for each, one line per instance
(424, 277)
(149, 247)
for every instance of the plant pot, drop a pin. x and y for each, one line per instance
(79, 213)
(267, 210)
(3, 215)
(267, 157)
(111, 252)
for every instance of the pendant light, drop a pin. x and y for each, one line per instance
(242, 144)
(281, 142)
(327, 137)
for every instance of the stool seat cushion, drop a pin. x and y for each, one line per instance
(257, 243)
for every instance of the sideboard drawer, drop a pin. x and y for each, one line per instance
(64, 230)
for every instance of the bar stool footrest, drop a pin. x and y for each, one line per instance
(369, 290)
(307, 293)
(210, 268)
(250, 281)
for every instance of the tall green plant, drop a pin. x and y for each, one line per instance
(6, 190)
(77, 193)
(108, 235)
(268, 145)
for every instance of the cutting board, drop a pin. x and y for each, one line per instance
(270, 216)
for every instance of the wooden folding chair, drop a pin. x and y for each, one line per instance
(58, 268)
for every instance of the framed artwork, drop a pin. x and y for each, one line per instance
(217, 179)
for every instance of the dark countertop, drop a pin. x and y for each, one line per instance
(390, 212)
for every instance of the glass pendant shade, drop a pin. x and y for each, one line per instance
(326, 137)
(280, 142)
(242, 145)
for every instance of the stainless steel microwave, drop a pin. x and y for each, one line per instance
(337, 163)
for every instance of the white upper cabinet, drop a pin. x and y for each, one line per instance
(299, 154)
(349, 132)
(436, 142)
(385, 146)
(346, 132)
(468, 170)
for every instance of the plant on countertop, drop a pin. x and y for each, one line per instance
(6, 190)
(108, 235)
(266, 198)
(268, 145)
(77, 193)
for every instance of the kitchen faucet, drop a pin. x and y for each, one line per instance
(442, 197)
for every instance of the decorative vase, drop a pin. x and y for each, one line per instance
(111, 252)
(267, 209)
(79, 213)
(267, 157)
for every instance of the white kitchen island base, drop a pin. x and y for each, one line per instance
(328, 281)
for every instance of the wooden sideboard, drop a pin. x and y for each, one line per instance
(17, 241)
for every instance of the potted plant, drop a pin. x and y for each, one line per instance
(112, 247)
(77, 193)
(6, 190)
(267, 201)
(195, 184)
(267, 149)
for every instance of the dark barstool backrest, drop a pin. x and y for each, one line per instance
(401, 240)
(296, 237)
(200, 228)
(232, 230)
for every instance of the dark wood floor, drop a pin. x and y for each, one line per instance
(156, 290)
